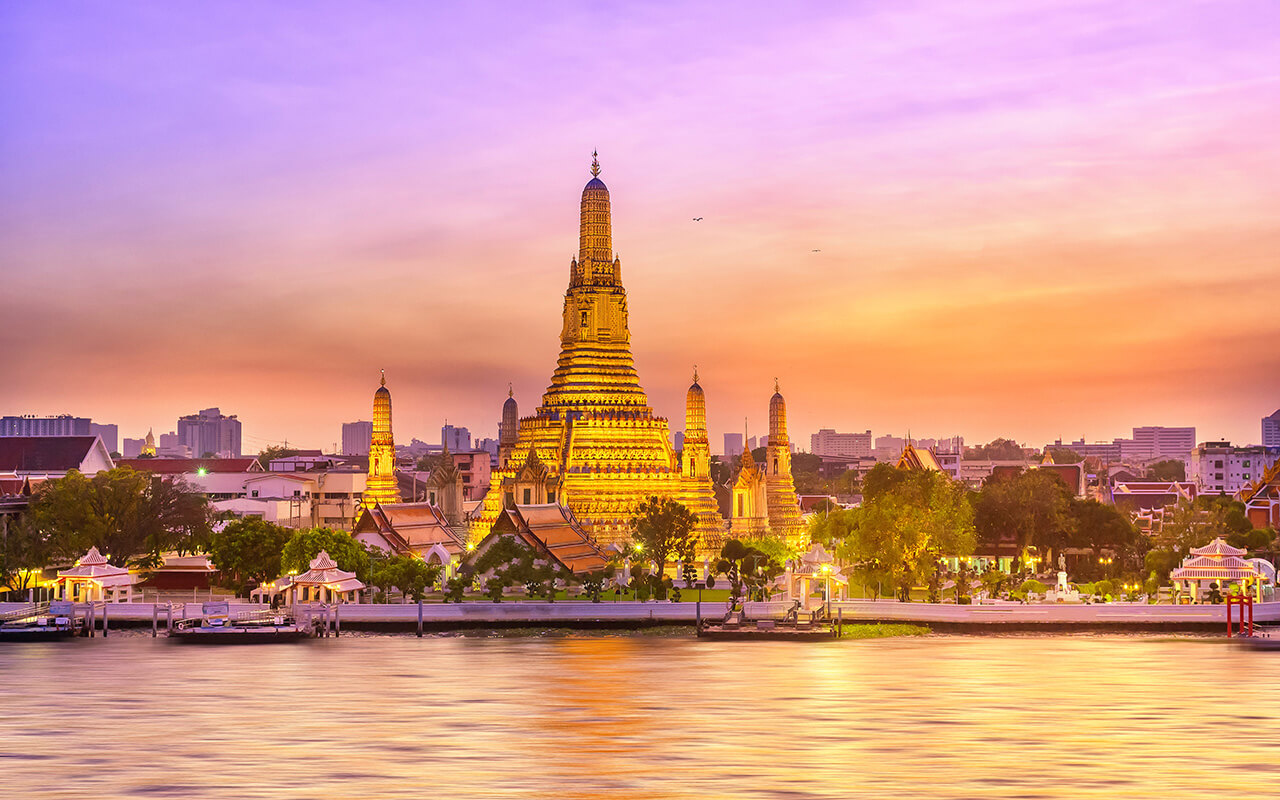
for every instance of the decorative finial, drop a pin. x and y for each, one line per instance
(776, 390)
(384, 377)
(510, 391)
(595, 164)
(695, 373)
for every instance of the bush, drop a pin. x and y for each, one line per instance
(1032, 586)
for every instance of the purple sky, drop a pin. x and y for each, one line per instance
(1035, 218)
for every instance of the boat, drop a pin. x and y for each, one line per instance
(216, 626)
(39, 622)
(794, 627)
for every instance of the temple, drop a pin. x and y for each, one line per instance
(594, 445)
(784, 507)
(381, 486)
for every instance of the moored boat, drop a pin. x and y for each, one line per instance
(39, 622)
(792, 628)
(216, 626)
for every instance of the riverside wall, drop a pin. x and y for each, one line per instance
(986, 618)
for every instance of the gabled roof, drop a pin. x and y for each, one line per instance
(44, 453)
(914, 458)
(174, 466)
(410, 527)
(1217, 547)
(324, 572)
(551, 529)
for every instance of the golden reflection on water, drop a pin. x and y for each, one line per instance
(640, 717)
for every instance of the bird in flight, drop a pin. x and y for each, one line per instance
(815, 251)
(697, 219)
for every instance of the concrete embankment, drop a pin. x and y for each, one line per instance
(996, 618)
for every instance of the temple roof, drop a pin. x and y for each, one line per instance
(1217, 547)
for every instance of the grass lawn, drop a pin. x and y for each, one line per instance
(882, 631)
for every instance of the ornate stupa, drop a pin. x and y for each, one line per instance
(594, 444)
(381, 485)
(784, 507)
(149, 444)
(508, 428)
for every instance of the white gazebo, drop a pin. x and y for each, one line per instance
(1220, 563)
(92, 578)
(814, 568)
(325, 583)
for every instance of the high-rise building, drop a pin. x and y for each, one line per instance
(110, 435)
(356, 437)
(62, 425)
(827, 442)
(131, 448)
(381, 486)
(210, 432)
(594, 445)
(457, 440)
(1271, 430)
(1155, 441)
(888, 448)
(732, 445)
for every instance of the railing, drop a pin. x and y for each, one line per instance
(32, 611)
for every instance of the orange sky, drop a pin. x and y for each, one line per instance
(1031, 223)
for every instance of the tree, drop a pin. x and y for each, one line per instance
(748, 568)
(410, 574)
(880, 480)
(1063, 455)
(1031, 507)
(249, 549)
(1169, 470)
(664, 530)
(996, 450)
(274, 451)
(905, 530)
(1190, 525)
(24, 551)
(131, 516)
(1098, 527)
(832, 527)
(341, 546)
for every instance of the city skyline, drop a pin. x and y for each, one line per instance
(1028, 223)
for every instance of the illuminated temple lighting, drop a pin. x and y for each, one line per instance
(594, 444)
(381, 486)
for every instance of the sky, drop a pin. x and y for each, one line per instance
(1032, 219)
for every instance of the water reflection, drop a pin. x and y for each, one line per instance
(639, 717)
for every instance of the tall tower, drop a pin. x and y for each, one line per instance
(594, 444)
(784, 507)
(381, 486)
(697, 448)
(508, 428)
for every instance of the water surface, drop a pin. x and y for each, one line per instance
(640, 717)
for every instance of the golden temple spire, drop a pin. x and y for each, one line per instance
(595, 164)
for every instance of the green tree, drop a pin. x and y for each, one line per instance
(1169, 470)
(996, 450)
(1032, 508)
(1190, 525)
(341, 546)
(832, 527)
(249, 549)
(748, 568)
(904, 531)
(408, 573)
(274, 451)
(1098, 526)
(130, 516)
(1063, 455)
(880, 480)
(24, 550)
(664, 531)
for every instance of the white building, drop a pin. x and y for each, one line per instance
(1219, 468)
(315, 498)
(109, 434)
(828, 442)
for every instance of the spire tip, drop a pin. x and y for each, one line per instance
(595, 164)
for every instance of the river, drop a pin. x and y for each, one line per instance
(634, 717)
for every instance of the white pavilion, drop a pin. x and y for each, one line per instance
(94, 578)
(322, 583)
(1220, 563)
